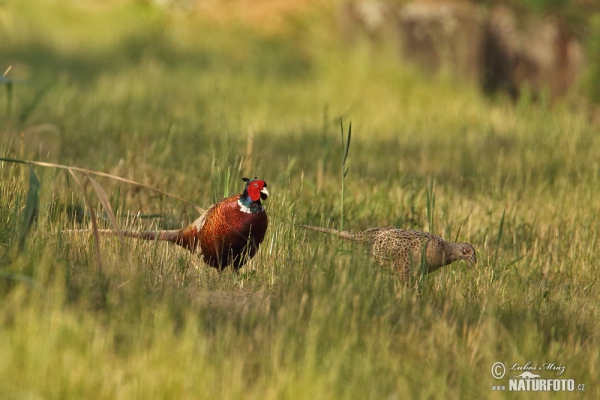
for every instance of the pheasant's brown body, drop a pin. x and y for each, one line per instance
(403, 249)
(228, 233)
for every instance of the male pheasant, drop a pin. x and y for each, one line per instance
(229, 232)
(402, 249)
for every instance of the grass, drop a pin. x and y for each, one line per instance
(190, 106)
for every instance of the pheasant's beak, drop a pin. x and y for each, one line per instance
(472, 259)
(468, 254)
(264, 193)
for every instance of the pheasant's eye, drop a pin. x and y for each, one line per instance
(466, 251)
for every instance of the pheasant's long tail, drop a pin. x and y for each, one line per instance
(343, 234)
(170, 236)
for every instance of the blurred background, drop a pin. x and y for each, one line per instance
(186, 74)
(546, 48)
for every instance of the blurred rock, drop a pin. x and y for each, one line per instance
(370, 17)
(492, 47)
(443, 35)
(540, 54)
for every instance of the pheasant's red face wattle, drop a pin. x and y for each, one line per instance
(257, 190)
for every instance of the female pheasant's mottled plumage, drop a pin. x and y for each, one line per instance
(403, 249)
(229, 232)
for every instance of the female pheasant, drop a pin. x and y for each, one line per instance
(403, 249)
(229, 232)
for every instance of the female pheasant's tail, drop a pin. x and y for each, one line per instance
(343, 234)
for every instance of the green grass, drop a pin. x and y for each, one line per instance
(191, 106)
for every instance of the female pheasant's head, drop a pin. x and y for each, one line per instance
(467, 253)
(254, 192)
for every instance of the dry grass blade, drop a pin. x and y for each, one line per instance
(31, 206)
(109, 212)
(103, 174)
(106, 204)
(93, 216)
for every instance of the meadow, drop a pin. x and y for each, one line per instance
(190, 104)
